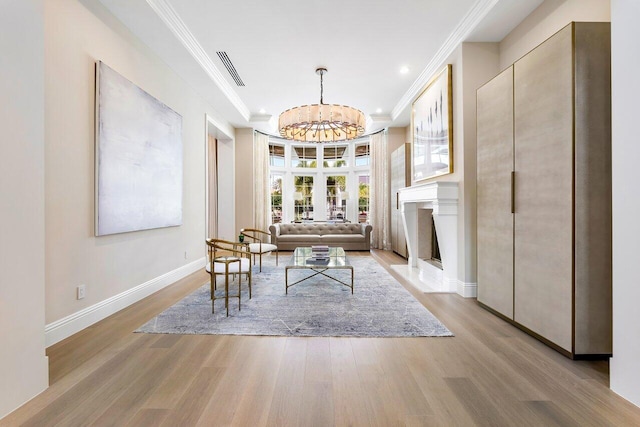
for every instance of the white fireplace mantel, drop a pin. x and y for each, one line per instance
(441, 198)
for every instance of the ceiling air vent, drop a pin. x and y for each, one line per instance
(230, 68)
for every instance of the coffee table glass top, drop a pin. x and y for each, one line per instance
(303, 257)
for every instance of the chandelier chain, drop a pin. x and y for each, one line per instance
(321, 88)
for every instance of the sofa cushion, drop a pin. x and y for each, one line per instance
(307, 238)
(288, 229)
(341, 238)
(219, 267)
(340, 228)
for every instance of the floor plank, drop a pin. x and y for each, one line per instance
(349, 402)
(255, 404)
(148, 418)
(287, 398)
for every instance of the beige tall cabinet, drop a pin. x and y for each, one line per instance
(544, 191)
(400, 178)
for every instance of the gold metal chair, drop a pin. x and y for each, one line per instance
(257, 246)
(225, 258)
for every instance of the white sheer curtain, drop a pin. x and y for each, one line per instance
(379, 198)
(262, 204)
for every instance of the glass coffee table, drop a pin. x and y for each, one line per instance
(303, 259)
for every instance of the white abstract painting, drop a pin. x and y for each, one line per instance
(138, 158)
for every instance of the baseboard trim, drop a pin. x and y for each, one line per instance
(60, 329)
(468, 290)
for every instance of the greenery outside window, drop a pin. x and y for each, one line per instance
(276, 198)
(336, 200)
(363, 198)
(303, 199)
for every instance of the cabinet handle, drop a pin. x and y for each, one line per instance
(397, 200)
(513, 192)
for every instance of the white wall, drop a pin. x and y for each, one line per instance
(625, 363)
(226, 194)
(225, 164)
(23, 364)
(480, 64)
(244, 177)
(473, 65)
(546, 20)
(75, 38)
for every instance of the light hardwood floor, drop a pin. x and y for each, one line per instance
(489, 374)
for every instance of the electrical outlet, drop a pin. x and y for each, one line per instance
(81, 291)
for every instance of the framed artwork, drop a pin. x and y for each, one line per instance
(432, 129)
(138, 158)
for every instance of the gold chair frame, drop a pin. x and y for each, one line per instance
(227, 253)
(257, 236)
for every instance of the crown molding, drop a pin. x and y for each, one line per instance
(470, 21)
(172, 20)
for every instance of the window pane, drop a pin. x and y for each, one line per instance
(303, 157)
(336, 156)
(336, 198)
(303, 203)
(363, 198)
(276, 155)
(276, 199)
(362, 154)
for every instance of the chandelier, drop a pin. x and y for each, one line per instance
(321, 122)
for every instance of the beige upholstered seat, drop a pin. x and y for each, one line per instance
(235, 268)
(257, 246)
(228, 258)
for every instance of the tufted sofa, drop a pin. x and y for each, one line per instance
(351, 237)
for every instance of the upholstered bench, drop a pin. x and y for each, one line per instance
(351, 237)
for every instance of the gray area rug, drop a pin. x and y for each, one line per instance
(379, 307)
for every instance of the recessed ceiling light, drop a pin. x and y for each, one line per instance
(404, 70)
(262, 111)
(379, 110)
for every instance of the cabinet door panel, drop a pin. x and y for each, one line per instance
(394, 190)
(495, 220)
(543, 251)
(398, 174)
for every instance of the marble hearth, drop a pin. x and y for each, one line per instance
(417, 205)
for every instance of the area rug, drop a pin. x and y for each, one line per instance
(379, 307)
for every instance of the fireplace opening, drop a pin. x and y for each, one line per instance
(428, 248)
(436, 258)
(435, 249)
